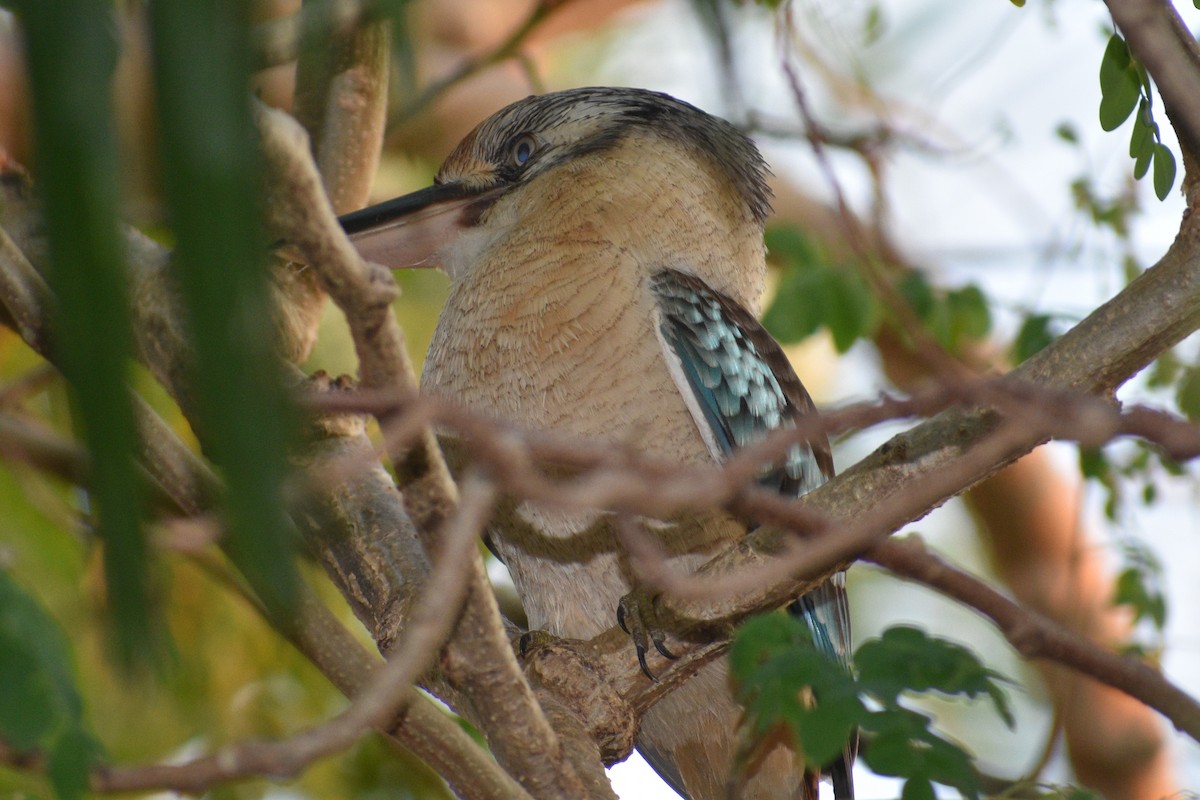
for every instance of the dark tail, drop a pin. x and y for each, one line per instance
(841, 772)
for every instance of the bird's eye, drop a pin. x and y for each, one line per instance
(522, 150)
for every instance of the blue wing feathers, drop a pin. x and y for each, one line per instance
(745, 389)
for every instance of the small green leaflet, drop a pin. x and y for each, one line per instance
(814, 293)
(786, 685)
(1034, 335)
(1164, 170)
(773, 660)
(40, 706)
(1187, 395)
(1120, 84)
(1124, 87)
(905, 659)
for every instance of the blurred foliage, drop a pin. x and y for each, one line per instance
(71, 559)
(71, 52)
(784, 682)
(813, 293)
(229, 678)
(40, 704)
(209, 150)
(816, 293)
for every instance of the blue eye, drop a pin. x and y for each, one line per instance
(522, 150)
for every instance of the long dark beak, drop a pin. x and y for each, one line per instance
(410, 230)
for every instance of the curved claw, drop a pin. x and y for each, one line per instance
(661, 646)
(641, 653)
(638, 617)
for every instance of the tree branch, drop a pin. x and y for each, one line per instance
(424, 729)
(1036, 637)
(341, 100)
(609, 476)
(507, 49)
(479, 662)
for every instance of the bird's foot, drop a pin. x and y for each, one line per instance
(529, 641)
(638, 615)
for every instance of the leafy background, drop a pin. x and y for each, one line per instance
(1025, 213)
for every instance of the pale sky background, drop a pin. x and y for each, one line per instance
(991, 83)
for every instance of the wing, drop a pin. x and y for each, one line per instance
(738, 376)
(740, 386)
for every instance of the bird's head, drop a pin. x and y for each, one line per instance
(522, 147)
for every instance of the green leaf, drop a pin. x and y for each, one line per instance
(1187, 395)
(919, 294)
(1141, 164)
(917, 789)
(970, 317)
(796, 311)
(71, 52)
(1164, 170)
(71, 757)
(1066, 131)
(874, 24)
(850, 312)
(1132, 590)
(1120, 85)
(1141, 139)
(772, 660)
(1093, 464)
(1130, 267)
(1137, 585)
(1021, 3)
(29, 705)
(1034, 335)
(902, 745)
(904, 659)
(1165, 370)
(789, 245)
(212, 181)
(39, 702)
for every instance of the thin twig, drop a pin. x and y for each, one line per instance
(939, 361)
(509, 48)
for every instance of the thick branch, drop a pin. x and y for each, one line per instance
(479, 662)
(1112, 344)
(341, 100)
(423, 728)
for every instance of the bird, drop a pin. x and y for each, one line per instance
(606, 253)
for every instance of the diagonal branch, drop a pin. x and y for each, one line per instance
(1036, 637)
(424, 728)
